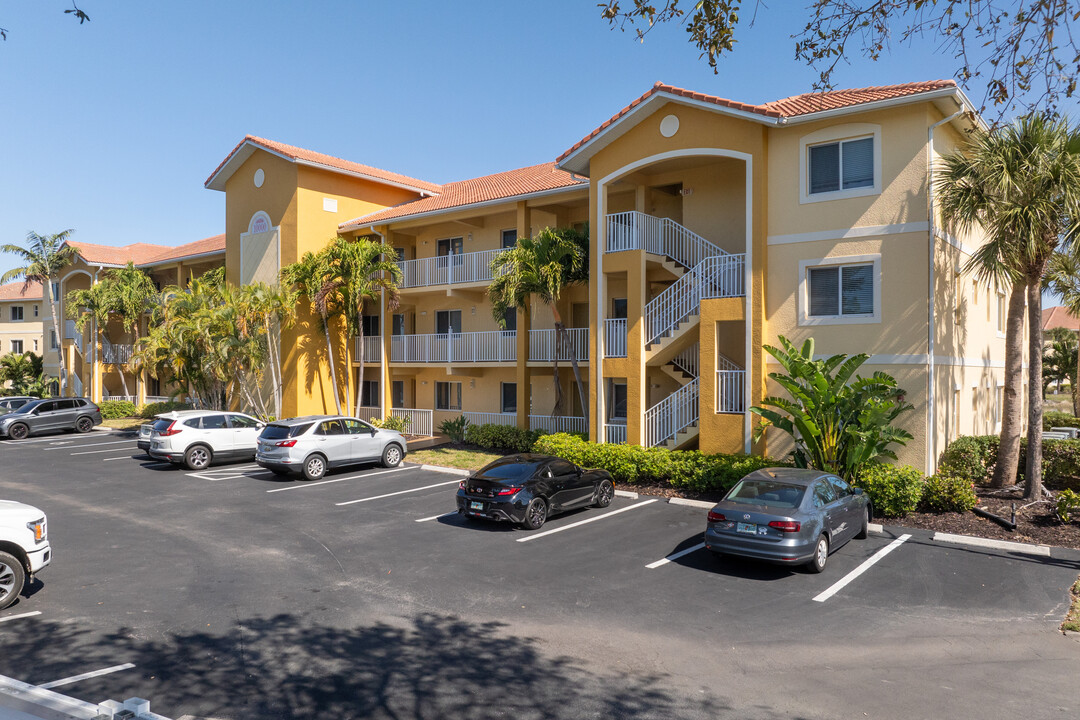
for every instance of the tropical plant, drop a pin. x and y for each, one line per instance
(541, 268)
(837, 424)
(42, 260)
(20, 369)
(263, 311)
(454, 428)
(392, 422)
(1059, 361)
(1063, 279)
(1021, 184)
(127, 293)
(86, 305)
(312, 277)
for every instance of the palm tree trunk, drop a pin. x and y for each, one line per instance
(560, 328)
(1076, 381)
(123, 376)
(330, 357)
(557, 408)
(59, 339)
(1033, 468)
(1008, 455)
(275, 368)
(360, 373)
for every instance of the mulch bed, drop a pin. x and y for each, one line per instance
(1034, 524)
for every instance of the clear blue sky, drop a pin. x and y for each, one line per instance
(112, 127)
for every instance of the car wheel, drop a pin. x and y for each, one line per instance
(535, 514)
(12, 577)
(821, 555)
(865, 529)
(604, 493)
(197, 457)
(84, 425)
(314, 467)
(18, 431)
(391, 456)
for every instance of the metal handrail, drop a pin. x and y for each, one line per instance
(485, 346)
(448, 269)
(712, 277)
(542, 344)
(634, 230)
(615, 337)
(667, 418)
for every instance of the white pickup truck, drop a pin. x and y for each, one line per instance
(24, 548)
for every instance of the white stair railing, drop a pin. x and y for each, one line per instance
(687, 360)
(667, 418)
(662, 236)
(682, 298)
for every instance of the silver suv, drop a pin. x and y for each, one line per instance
(314, 444)
(197, 438)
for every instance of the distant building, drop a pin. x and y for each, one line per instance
(1059, 317)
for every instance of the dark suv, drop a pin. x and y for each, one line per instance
(37, 416)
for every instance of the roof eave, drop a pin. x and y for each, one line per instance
(181, 258)
(927, 96)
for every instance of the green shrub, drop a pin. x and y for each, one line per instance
(393, 422)
(894, 490)
(634, 464)
(970, 457)
(1068, 503)
(945, 493)
(454, 428)
(1056, 418)
(506, 438)
(151, 409)
(113, 409)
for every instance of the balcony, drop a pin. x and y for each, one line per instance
(471, 267)
(615, 338)
(491, 418)
(542, 345)
(557, 423)
(372, 348)
(116, 354)
(615, 434)
(467, 347)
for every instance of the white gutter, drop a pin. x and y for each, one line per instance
(931, 420)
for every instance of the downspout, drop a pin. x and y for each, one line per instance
(931, 420)
(383, 372)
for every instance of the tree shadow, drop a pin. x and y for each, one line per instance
(287, 666)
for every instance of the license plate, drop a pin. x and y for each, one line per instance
(476, 505)
(749, 528)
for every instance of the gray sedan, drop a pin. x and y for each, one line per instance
(788, 516)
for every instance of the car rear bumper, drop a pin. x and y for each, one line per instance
(284, 464)
(143, 445)
(168, 455)
(39, 557)
(502, 510)
(793, 551)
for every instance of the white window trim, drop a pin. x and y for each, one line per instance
(804, 290)
(1002, 310)
(837, 133)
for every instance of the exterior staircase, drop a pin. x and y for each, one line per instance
(673, 318)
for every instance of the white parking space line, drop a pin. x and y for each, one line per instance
(335, 480)
(89, 445)
(675, 556)
(125, 457)
(436, 517)
(50, 438)
(85, 676)
(842, 582)
(21, 615)
(399, 492)
(94, 452)
(585, 522)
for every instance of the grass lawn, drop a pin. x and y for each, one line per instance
(128, 423)
(465, 458)
(1072, 620)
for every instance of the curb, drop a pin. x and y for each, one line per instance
(691, 503)
(449, 470)
(627, 494)
(1026, 548)
(875, 528)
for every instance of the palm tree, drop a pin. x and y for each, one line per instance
(265, 309)
(541, 268)
(42, 261)
(1021, 184)
(18, 369)
(86, 305)
(127, 293)
(312, 276)
(361, 271)
(1063, 279)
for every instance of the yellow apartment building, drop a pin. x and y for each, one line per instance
(715, 227)
(22, 316)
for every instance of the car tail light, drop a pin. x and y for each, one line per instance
(716, 517)
(508, 491)
(171, 430)
(285, 443)
(461, 485)
(786, 525)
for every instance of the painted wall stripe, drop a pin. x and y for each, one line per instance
(854, 233)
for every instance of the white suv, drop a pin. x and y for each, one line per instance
(24, 548)
(197, 438)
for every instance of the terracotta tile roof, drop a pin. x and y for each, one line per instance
(511, 183)
(328, 161)
(215, 244)
(19, 290)
(1056, 317)
(145, 253)
(786, 108)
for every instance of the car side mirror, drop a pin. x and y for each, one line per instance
(857, 491)
(373, 431)
(260, 425)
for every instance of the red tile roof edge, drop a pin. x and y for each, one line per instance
(146, 253)
(13, 291)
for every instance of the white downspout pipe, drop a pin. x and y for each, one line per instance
(383, 373)
(931, 420)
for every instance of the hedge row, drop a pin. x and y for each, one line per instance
(898, 490)
(1056, 418)
(505, 438)
(974, 457)
(113, 409)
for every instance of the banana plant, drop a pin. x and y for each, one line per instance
(838, 424)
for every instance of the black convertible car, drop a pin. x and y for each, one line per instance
(527, 489)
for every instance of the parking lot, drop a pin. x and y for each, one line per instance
(234, 593)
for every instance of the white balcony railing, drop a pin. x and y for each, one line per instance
(448, 269)
(557, 423)
(730, 391)
(372, 348)
(122, 398)
(490, 418)
(676, 412)
(116, 354)
(712, 277)
(418, 421)
(661, 236)
(487, 346)
(615, 434)
(615, 337)
(157, 399)
(542, 344)
(71, 332)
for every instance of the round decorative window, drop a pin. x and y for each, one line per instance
(669, 126)
(260, 176)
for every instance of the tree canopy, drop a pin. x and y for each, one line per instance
(74, 11)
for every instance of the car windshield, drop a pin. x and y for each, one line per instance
(25, 408)
(500, 470)
(280, 432)
(161, 424)
(769, 493)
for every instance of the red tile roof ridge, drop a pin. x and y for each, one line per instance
(924, 86)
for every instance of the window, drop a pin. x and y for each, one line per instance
(823, 494)
(369, 393)
(357, 427)
(35, 345)
(214, 422)
(618, 308)
(242, 421)
(841, 488)
(509, 238)
(509, 397)
(510, 318)
(447, 396)
(56, 290)
(561, 468)
(16, 313)
(330, 427)
(447, 322)
(17, 347)
(1002, 312)
(370, 325)
(35, 311)
(398, 324)
(842, 165)
(400, 252)
(450, 246)
(840, 290)
(52, 339)
(618, 401)
(397, 393)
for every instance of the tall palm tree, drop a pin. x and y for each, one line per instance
(87, 306)
(1021, 184)
(267, 309)
(312, 277)
(362, 270)
(1063, 279)
(541, 268)
(43, 259)
(127, 293)
(18, 369)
